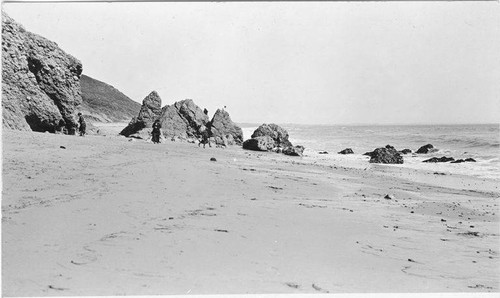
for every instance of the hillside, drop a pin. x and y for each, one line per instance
(104, 103)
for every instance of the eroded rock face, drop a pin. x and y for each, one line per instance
(294, 150)
(181, 121)
(387, 155)
(184, 120)
(40, 82)
(278, 134)
(224, 130)
(261, 143)
(271, 137)
(150, 111)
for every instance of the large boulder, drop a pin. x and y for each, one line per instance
(271, 137)
(183, 120)
(387, 155)
(294, 150)
(262, 143)
(426, 149)
(149, 113)
(40, 82)
(224, 130)
(278, 134)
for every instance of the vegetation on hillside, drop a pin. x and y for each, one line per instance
(104, 103)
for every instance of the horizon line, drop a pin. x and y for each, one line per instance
(368, 124)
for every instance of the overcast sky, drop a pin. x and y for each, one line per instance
(295, 62)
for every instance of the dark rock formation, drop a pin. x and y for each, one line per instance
(386, 146)
(462, 160)
(224, 131)
(425, 149)
(271, 137)
(40, 82)
(278, 134)
(261, 143)
(440, 159)
(150, 111)
(294, 150)
(346, 151)
(183, 120)
(368, 153)
(405, 151)
(104, 103)
(386, 155)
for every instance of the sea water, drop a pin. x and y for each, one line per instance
(480, 142)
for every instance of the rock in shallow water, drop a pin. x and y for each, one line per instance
(425, 149)
(346, 151)
(439, 159)
(386, 156)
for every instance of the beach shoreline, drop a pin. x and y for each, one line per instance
(108, 215)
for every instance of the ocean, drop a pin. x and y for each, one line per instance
(481, 142)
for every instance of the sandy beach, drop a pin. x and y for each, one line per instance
(107, 215)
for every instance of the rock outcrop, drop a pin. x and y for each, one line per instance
(262, 143)
(278, 134)
(426, 149)
(271, 137)
(346, 151)
(40, 82)
(387, 155)
(183, 120)
(294, 150)
(439, 159)
(464, 160)
(150, 111)
(405, 151)
(224, 130)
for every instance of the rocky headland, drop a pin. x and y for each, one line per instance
(40, 82)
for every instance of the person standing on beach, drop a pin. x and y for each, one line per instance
(156, 132)
(83, 125)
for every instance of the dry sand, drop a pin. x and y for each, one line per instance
(113, 216)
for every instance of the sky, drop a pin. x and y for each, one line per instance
(290, 62)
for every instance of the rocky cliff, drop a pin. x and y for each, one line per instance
(104, 103)
(40, 82)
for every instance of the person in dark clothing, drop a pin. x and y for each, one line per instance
(156, 132)
(83, 126)
(205, 137)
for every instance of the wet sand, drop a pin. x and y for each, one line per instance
(107, 215)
